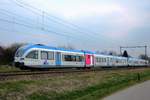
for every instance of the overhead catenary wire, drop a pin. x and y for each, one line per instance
(25, 23)
(32, 27)
(20, 21)
(50, 15)
(16, 18)
(67, 36)
(13, 22)
(55, 19)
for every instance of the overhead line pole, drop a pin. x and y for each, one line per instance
(134, 47)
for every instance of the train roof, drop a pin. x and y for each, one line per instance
(29, 46)
(105, 55)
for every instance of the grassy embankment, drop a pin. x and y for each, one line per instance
(76, 86)
(7, 68)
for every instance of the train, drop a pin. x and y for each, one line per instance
(42, 56)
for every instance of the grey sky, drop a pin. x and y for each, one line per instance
(104, 25)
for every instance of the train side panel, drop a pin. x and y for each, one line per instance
(121, 61)
(100, 61)
(72, 59)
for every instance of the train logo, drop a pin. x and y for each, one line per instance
(45, 62)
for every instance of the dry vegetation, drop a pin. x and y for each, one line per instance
(64, 86)
(7, 68)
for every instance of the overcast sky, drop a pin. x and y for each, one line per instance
(85, 24)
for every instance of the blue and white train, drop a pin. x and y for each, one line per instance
(41, 56)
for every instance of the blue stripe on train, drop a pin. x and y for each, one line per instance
(48, 47)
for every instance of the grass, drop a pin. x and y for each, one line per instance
(83, 86)
(5, 68)
(94, 92)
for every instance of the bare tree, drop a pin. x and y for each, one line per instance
(1, 51)
(112, 53)
(125, 54)
(142, 56)
(7, 53)
(1, 54)
(149, 60)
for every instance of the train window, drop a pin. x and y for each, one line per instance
(117, 61)
(104, 59)
(33, 54)
(47, 55)
(96, 59)
(72, 58)
(67, 57)
(51, 55)
(44, 55)
(79, 58)
(101, 59)
(111, 60)
(19, 53)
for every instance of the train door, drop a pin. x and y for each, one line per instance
(58, 58)
(108, 61)
(88, 60)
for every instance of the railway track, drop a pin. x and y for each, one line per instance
(16, 74)
(19, 73)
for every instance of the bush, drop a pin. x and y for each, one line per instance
(7, 53)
